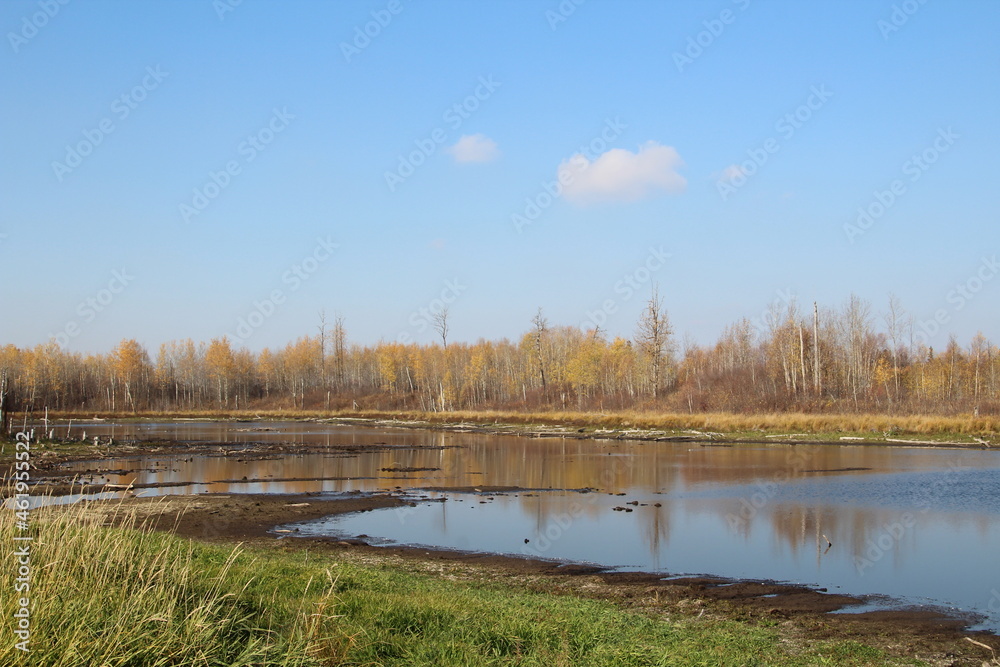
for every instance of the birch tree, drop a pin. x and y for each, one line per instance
(653, 337)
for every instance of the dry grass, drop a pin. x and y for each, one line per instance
(126, 595)
(714, 421)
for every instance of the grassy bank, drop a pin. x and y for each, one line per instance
(129, 596)
(728, 423)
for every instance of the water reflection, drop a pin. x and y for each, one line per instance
(922, 524)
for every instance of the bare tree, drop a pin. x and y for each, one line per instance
(817, 377)
(322, 346)
(653, 336)
(785, 341)
(440, 323)
(978, 348)
(894, 326)
(3, 402)
(858, 347)
(339, 346)
(541, 326)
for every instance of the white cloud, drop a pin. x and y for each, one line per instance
(620, 175)
(474, 148)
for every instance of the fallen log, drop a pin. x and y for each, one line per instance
(924, 442)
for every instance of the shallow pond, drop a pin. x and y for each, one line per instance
(921, 525)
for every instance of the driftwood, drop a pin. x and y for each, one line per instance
(923, 442)
(710, 434)
(986, 646)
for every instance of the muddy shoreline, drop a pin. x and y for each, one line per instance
(693, 436)
(47, 457)
(573, 429)
(47, 477)
(251, 520)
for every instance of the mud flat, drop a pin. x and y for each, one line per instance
(801, 612)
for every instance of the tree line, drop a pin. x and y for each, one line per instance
(843, 359)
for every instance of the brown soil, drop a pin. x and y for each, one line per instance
(803, 614)
(47, 477)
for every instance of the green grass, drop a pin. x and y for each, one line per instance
(128, 596)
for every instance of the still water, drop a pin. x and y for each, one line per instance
(919, 525)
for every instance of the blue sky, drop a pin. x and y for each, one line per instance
(739, 138)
